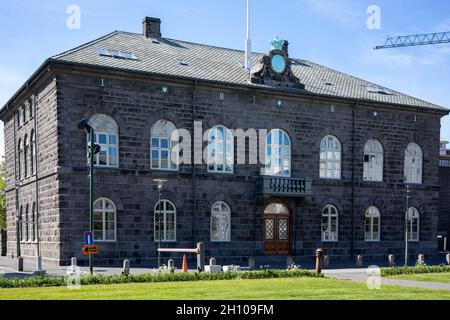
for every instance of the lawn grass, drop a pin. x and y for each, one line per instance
(262, 289)
(428, 277)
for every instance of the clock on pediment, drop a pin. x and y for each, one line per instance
(274, 68)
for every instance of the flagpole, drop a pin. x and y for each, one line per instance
(248, 43)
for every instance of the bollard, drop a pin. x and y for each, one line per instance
(212, 262)
(447, 257)
(326, 262)
(359, 261)
(319, 261)
(289, 262)
(201, 257)
(126, 267)
(421, 259)
(251, 263)
(391, 260)
(20, 264)
(171, 265)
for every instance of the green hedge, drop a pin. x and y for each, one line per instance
(414, 270)
(157, 277)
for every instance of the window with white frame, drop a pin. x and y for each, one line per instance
(104, 220)
(107, 136)
(372, 224)
(32, 152)
(220, 222)
(220, 150)
(19, 159)
(330, 158)
(330, 223)
(165, 221)
(373, 161)
(413, 163)
(25, 156)
(27, 223)
(164, 138)
(413, 224)
(278, 154)
(34, 224)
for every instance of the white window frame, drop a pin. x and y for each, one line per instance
(372, 213)
(220, 150)
(285, 154)
(373, 161)
(330, 166)
(219, 212)
(413, 213)
(327, 212)
(33, 153)
(413, 164)
(164, 212)
(103, 212)
(26, 172)
(104, 124)
(171, 143)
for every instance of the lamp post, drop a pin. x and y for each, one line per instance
(93, 149)
(406, 225)
(160, 183)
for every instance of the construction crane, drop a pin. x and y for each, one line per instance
(415, 40)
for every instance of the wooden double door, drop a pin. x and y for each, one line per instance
(277, 230)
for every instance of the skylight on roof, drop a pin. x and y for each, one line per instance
(182, 62)
(116, 54)
(379, 90)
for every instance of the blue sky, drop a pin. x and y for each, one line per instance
(329, 32)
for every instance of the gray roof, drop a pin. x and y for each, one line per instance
(225, 65)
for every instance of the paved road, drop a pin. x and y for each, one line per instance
(360, 275)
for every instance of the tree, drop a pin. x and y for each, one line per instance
(3, 195)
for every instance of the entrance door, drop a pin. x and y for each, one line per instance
(276, 230)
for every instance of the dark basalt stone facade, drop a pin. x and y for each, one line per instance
(63, 94)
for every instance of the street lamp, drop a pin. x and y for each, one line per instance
(406, 224)
(93, 149)
(160, 183)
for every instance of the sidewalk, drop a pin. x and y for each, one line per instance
(360, 275)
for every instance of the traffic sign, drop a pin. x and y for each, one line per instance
(88, 238)
(90, 250)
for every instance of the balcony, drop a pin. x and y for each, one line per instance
(283, 187)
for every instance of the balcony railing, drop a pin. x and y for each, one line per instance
(286, 187)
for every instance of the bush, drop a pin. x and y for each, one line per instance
(157, 277)
(414, 270)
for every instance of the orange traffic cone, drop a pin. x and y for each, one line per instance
(184, 266)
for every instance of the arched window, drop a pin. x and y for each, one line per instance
(25, 156)
(107, 136)
(163, 142)
(19, 159)
(330, 223)
(33, 152)
(30, 108)
(34, 225)
(104, 220)
(21, 223)
(220, 222)
(165, 221)
(24, 115)
(330, 158)
(413, 163)
(27, 223)
(278, 153)
(372, 224)
(220, 150)
(373, 161)
(413, 224)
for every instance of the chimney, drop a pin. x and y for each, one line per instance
(151, 27)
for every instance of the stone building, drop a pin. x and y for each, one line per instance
(339, 153)
(444, 197)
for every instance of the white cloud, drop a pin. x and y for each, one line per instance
(443, 26)
(340, 10)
